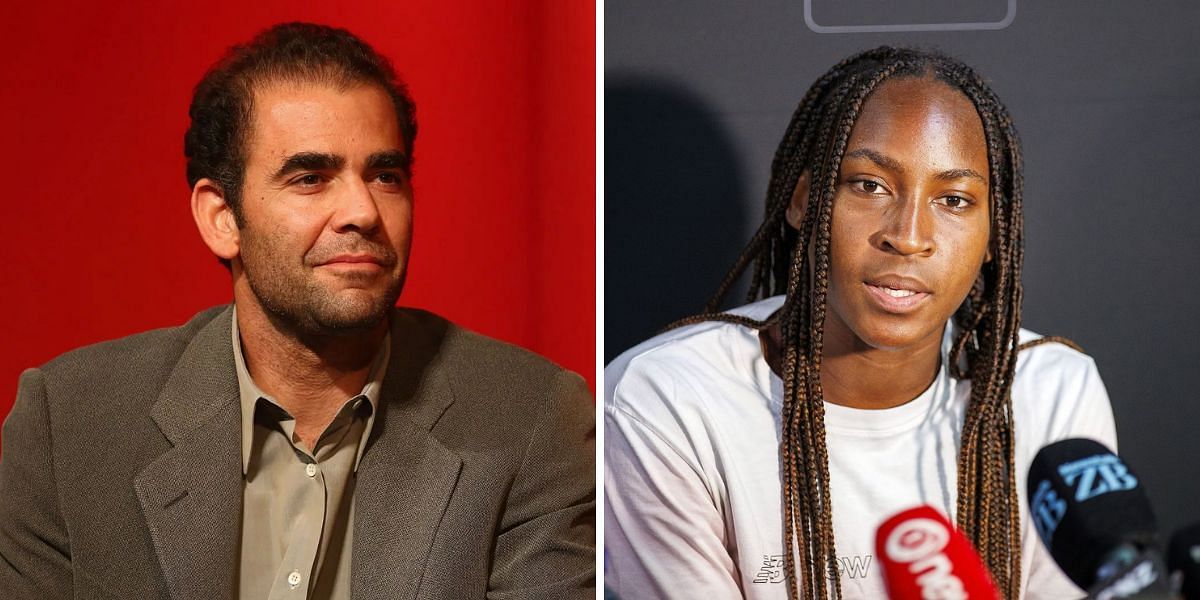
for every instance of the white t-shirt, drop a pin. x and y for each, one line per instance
(693, 507)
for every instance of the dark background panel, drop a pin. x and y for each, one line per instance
(1106, 96)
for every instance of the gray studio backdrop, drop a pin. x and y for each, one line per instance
(1106, 96)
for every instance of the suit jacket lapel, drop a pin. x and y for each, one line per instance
(191, 496)
(406, 476)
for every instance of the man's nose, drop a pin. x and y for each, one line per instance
(907, 228)
(356, 209)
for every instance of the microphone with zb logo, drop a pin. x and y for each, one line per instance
(1094, 517)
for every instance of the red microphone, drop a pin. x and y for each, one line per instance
(926, 558)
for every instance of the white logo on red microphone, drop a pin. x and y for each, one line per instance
(919, 542)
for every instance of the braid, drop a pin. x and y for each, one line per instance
(723, 317)
(988, 504)
(987, 322)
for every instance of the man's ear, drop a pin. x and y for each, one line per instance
(799, 203)
(215, 220)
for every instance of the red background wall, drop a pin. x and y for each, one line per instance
(98, 241)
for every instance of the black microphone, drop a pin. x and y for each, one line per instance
(1183, 562)
(1093, 515)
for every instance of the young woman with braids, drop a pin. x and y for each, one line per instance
(879, 366)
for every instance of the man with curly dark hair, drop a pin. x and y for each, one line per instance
(310, 440)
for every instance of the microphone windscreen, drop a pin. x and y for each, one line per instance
(1085, 503)
(924, 556)
(1183, 561)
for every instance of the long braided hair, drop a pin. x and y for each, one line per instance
(987, 321)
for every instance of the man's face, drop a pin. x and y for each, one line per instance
(326, 206)
(911, 223)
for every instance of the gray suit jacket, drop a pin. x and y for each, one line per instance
(120, 475)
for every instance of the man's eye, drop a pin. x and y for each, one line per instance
(308, 180)
(389, 178)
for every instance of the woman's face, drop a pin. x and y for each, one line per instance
(910, 226)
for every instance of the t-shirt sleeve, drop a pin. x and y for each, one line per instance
(1083, 411)
(1095, 412)
(664, 534)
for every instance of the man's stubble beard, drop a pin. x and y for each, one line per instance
(294, 299)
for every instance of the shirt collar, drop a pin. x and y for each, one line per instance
(250, 393)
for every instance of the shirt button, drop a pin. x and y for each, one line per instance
(294, 579)
(311, 469)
